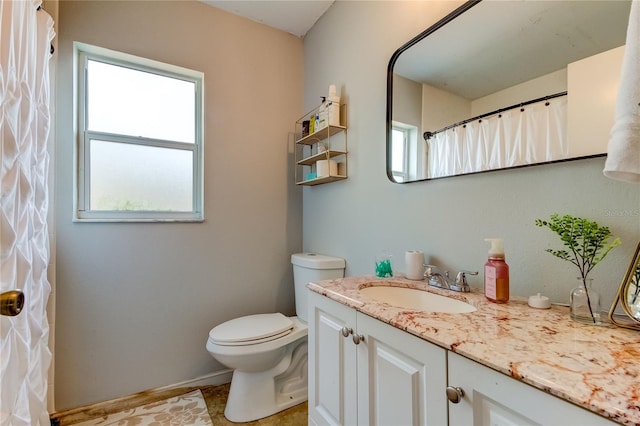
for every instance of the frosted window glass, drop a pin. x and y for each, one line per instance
(125, 177)
(138, 103)
(397, 150)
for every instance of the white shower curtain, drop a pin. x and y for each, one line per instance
(25, 37)
(512, 138)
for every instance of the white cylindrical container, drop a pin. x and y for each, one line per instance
(333, 106)
(326, 168)
(414, 264)
(308, 267)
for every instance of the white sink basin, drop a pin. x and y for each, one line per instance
(420, 300)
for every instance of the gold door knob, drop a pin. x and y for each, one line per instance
(11, 303)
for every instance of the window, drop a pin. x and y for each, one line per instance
(399, 153)
(139, 139)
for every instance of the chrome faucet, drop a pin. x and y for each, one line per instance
(436, 279)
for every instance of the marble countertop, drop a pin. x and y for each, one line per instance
(597, 368)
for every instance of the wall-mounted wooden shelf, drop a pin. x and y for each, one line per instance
(328, 143)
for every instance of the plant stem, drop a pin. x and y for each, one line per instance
(586, 290)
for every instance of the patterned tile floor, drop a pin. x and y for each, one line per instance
(215, 397)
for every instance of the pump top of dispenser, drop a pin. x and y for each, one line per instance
(333, 92)
(497, 247)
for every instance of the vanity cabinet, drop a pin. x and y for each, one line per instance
(492, 398)
(365, 372)
(328, 145)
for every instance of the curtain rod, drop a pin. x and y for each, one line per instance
(428, 135)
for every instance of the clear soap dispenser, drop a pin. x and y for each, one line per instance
(496, 273)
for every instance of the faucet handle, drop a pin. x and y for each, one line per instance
(461, 277)
(428, 270)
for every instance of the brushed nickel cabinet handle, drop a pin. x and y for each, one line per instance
(454, 394)
(346, 331)
(357, 338)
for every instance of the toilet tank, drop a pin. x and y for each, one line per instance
(309, 267)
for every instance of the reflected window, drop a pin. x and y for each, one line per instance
(399, 159)
(140, 138)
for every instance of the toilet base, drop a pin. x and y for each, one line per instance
(253, 396)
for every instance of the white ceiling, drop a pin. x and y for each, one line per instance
(293, 16)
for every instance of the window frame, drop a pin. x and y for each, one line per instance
(82, 173)
(401, 175)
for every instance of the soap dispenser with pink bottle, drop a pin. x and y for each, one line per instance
(496, 273)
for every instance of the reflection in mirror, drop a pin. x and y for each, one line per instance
(633, 293)
(504, 84)
(629, 296)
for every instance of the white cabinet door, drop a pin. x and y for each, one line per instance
(332, 363)
(401, 378)
(491, 398)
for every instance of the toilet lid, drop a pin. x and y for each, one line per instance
(251, 329)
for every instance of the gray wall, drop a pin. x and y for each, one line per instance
(448, 219)
(135, 302)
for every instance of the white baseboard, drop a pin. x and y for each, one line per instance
(214, 379)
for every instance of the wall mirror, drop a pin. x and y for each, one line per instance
(505, 84)
(628, 296)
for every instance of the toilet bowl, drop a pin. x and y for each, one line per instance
(268, 352)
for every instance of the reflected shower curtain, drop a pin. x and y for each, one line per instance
(534, 133)
(25, 37)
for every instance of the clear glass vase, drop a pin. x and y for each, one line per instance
(584, 303)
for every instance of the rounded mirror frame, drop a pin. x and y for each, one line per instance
(629, 296)
(442, 22)
(397, 173)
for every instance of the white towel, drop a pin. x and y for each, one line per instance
(623, 153)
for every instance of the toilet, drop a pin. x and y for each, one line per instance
(268, 352)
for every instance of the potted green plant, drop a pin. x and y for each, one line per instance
(586, 244)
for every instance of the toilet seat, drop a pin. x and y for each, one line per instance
(251, 330)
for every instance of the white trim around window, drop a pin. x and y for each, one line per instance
(124, 171)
